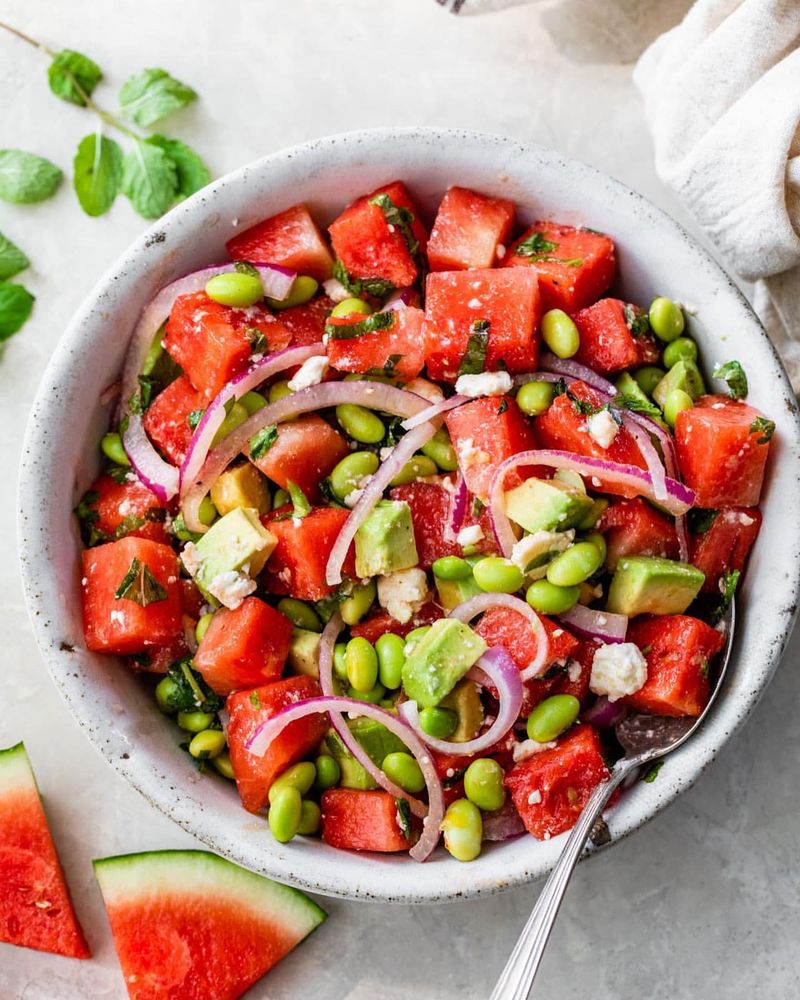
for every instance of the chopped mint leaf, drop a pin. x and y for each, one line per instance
(652, 772)
(194, 418)
(147, 97)
(73, 76)
(727, 590)
(399, 217)
(190, 692)
(388, 369)
(258, 341)
(87, 518)
(255, 701)
(636, 320)
(139, 585)
(261, 442)
(244, 267)
(733, 373)
(700, 519)
(474, 360)
(378, 288)
(370, 324)
(637, 405)
(535, 246)
(502, 407)
(300, 505)
(141, 399)
(477, 506)
(403, 816)
(764, 427)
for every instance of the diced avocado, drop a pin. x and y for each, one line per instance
(439, 660)
(385, 541)
(546, 505)
(237, 542)
(683, 375)
(304, 652)
(650, 585)
(454, 592)
(377, 740)
(628, 386)
(465, 701)
(241, 486)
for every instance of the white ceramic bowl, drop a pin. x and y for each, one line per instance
(117, 713)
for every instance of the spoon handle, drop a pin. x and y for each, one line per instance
(517, 977)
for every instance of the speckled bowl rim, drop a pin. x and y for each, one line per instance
(96, 691)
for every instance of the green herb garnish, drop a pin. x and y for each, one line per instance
(474, 360)
(733, 373)
(637, 405)
(378, 288)
(300, 505)
(142, 398)
(370, 324)
(403, 817)
(389, 369)
(636, 320)
(139, 585)
(537, 247)
(700, 519)
(194, 418)
(150, 96)
(399, 217)
(762, 426)
(261, 442)
(652, 772)
(12, 259)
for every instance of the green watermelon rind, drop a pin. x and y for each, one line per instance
(15, 769)
(192, 873)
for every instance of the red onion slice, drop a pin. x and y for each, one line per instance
(604, 713)
(249, 379)
(268, 730)
(683, 538)
(503, 824)
(457, 509)
(475, 606)
(652, 459)
(594, 624)
(497, 668)
(571, 369)
(318, 397)
(433, 411)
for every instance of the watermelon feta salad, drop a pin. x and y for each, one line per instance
(402, 521)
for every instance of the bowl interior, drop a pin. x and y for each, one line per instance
(117, 711)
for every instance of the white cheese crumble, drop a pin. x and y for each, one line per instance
(500, 251)
(311, 372)
(602, 428)
(535, 797)
(191, 559)
(403, 593)
(231, 588)
(531, 548)
(527, 748)
(485, 384)
(352, 498)
(574, 670)
(618, 669)
(470, 536)
(335, 290)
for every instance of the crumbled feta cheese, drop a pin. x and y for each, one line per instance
(474, 304)
(335, 290)
(602, 427)
(485, 384)
(469, 455)
(745, 519)
(231, 588)
(352, 498)
(297, 522)
(535, 797)
(500, 251)
(618, 669)
(470, 536)
(311, 372)
(531, 549)
(117, 617)
(574, 670)
(191, 559)
(403, 593)
(527, 748)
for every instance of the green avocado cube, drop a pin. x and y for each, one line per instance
(466, 702)
(628, 386)
(304, 652)
(650, 585)
(237, 542)
(683, 375)
(546, 505)
(454, 592)
(439, 660)
(385, 541)
(376, 739)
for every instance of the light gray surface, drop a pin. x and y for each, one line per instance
(699, 904)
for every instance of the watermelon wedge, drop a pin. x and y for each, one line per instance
(189, 925)
(35, 908)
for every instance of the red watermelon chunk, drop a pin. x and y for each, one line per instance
(35, 907)
(397, 350)
(306, 323)
(247, 710)
(117, 510)
(551, 788)
(724, 547)
(723, 445)
(614, 336)
(130, 624)
(575, 266)
(297, 564)
(304, 452)
(189, 925)
(678, 650)
(511, 630)
(459, 303)
(355, 820)
(469, 231)
(634, 528)
(290, 239)
(378, 622)
(244, 647)
(167, 418)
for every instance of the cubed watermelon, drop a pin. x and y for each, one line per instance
(244, 647)
(167, 418)
(111, 510)
(723, 445)
(575, 266)
(509, 629)
(614, 335)
(304, 452)
(290, 238)
(356, 820)
(634, 528)
(297, 564)
(397, 350)
(725, 545)
(379, 622)
(469, 231)
(481, 321)
(306, 323)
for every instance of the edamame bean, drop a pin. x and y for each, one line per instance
(349, 306)
(235, 288)
(207, 744)
(194, 722)
(676, 401)
(483, 784)
(441, 450)
(374, 697)
(416, 634)
(285, 814)
(440, 723)
(360, 424)
(648, 378)
(339, 665)
(167, 691)
(351, 471)
(111, 446)
(300, 614)
(497, 575)
(548, 599)
(463, 830)
(391, 657)
(300, 776)
(403, 770)
(310, 817)
(599, 543)
(682, 349)
(280, 499)
(207, 512)
(154, 351)
(354, 607)
(328, 772)
(201, 627)
(222, 764)
(574, 565)
(361, 662)
(303, 288)
(417, 467)
(234, 418)
(278, 390)
(534, 398)
(666, 319)
(560, 333)
(452, 568)
(551, 718)
(253, 402)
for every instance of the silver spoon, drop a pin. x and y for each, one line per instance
(644, 738)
